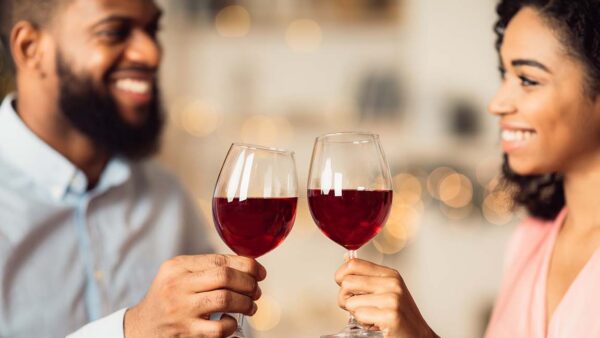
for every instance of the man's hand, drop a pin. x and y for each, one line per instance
(378, 298)
(187, 289)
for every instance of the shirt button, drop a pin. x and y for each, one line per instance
(99, 275)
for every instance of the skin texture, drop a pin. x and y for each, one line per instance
(104, 41)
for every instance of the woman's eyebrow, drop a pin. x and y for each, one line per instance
(530, 63)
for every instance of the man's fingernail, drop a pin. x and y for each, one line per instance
(258, 292)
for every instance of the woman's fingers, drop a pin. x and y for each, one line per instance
(386, 301)
(352, 285)
(386, 321)
(360, 267)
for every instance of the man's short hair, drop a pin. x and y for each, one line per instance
(38, 12)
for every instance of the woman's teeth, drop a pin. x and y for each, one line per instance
(517, 135)
(134, 86)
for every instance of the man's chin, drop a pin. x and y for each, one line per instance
(134, 117)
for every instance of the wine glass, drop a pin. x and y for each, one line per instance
(350, 196)
(254, 202)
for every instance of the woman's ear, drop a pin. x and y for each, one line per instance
(25, 46)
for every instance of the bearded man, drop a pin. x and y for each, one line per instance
(91, 231)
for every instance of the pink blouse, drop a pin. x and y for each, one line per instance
(520, 309)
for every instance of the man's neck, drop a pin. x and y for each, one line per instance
(52, 127)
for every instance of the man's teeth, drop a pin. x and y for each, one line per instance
(517, 135)
(134, 86)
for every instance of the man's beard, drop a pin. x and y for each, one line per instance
(97, 116)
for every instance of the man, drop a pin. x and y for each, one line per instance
(88, 228)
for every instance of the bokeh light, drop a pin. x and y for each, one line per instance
(457, 214)
(435, 178)
(268, 314)
(266, 130)
(497, 207)
(198, 118)
(304, 35)
(233, 22)
(407, 188)
(456, 190)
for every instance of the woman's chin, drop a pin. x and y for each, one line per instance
(524, 168)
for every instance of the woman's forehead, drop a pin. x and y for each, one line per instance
(528, 36)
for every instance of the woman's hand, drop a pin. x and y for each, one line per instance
(378, 298)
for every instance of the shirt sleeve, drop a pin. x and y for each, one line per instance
(110, 326)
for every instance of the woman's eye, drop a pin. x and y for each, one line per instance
(527, 82)
(502, 72)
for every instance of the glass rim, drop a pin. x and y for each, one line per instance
(259, 147)
(328, 136)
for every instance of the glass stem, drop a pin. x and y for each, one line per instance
(239, 332)
(240, 321)
(352, 323)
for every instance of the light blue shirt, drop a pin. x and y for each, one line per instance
(69, 256)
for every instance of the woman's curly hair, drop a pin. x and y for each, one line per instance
(577, 23)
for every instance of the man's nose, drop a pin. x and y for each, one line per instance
(144, 50)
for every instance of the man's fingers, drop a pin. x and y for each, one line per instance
(199, 263)
(223, 277)
(221, 301)
(224, 327)
(360, 267)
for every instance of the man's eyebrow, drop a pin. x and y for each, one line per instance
(111, 18)
(530, 63)
(127, 19)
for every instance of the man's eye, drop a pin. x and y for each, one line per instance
(114, 34)
(527, 82)
(153, 30)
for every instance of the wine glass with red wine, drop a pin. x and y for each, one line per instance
(350, 196)
(254, 203)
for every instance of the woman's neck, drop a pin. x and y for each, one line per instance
(582, 195)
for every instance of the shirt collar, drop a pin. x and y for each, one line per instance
(20, 147)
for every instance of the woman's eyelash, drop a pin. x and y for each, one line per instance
(502, 72)
(527, 82)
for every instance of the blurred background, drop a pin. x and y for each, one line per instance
(417, 72)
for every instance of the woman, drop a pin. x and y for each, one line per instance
(549, 110)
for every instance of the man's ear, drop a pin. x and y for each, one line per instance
(26, 47)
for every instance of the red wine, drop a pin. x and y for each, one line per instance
(352, 219)
(254, 226)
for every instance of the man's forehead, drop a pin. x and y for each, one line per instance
(99, 9)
